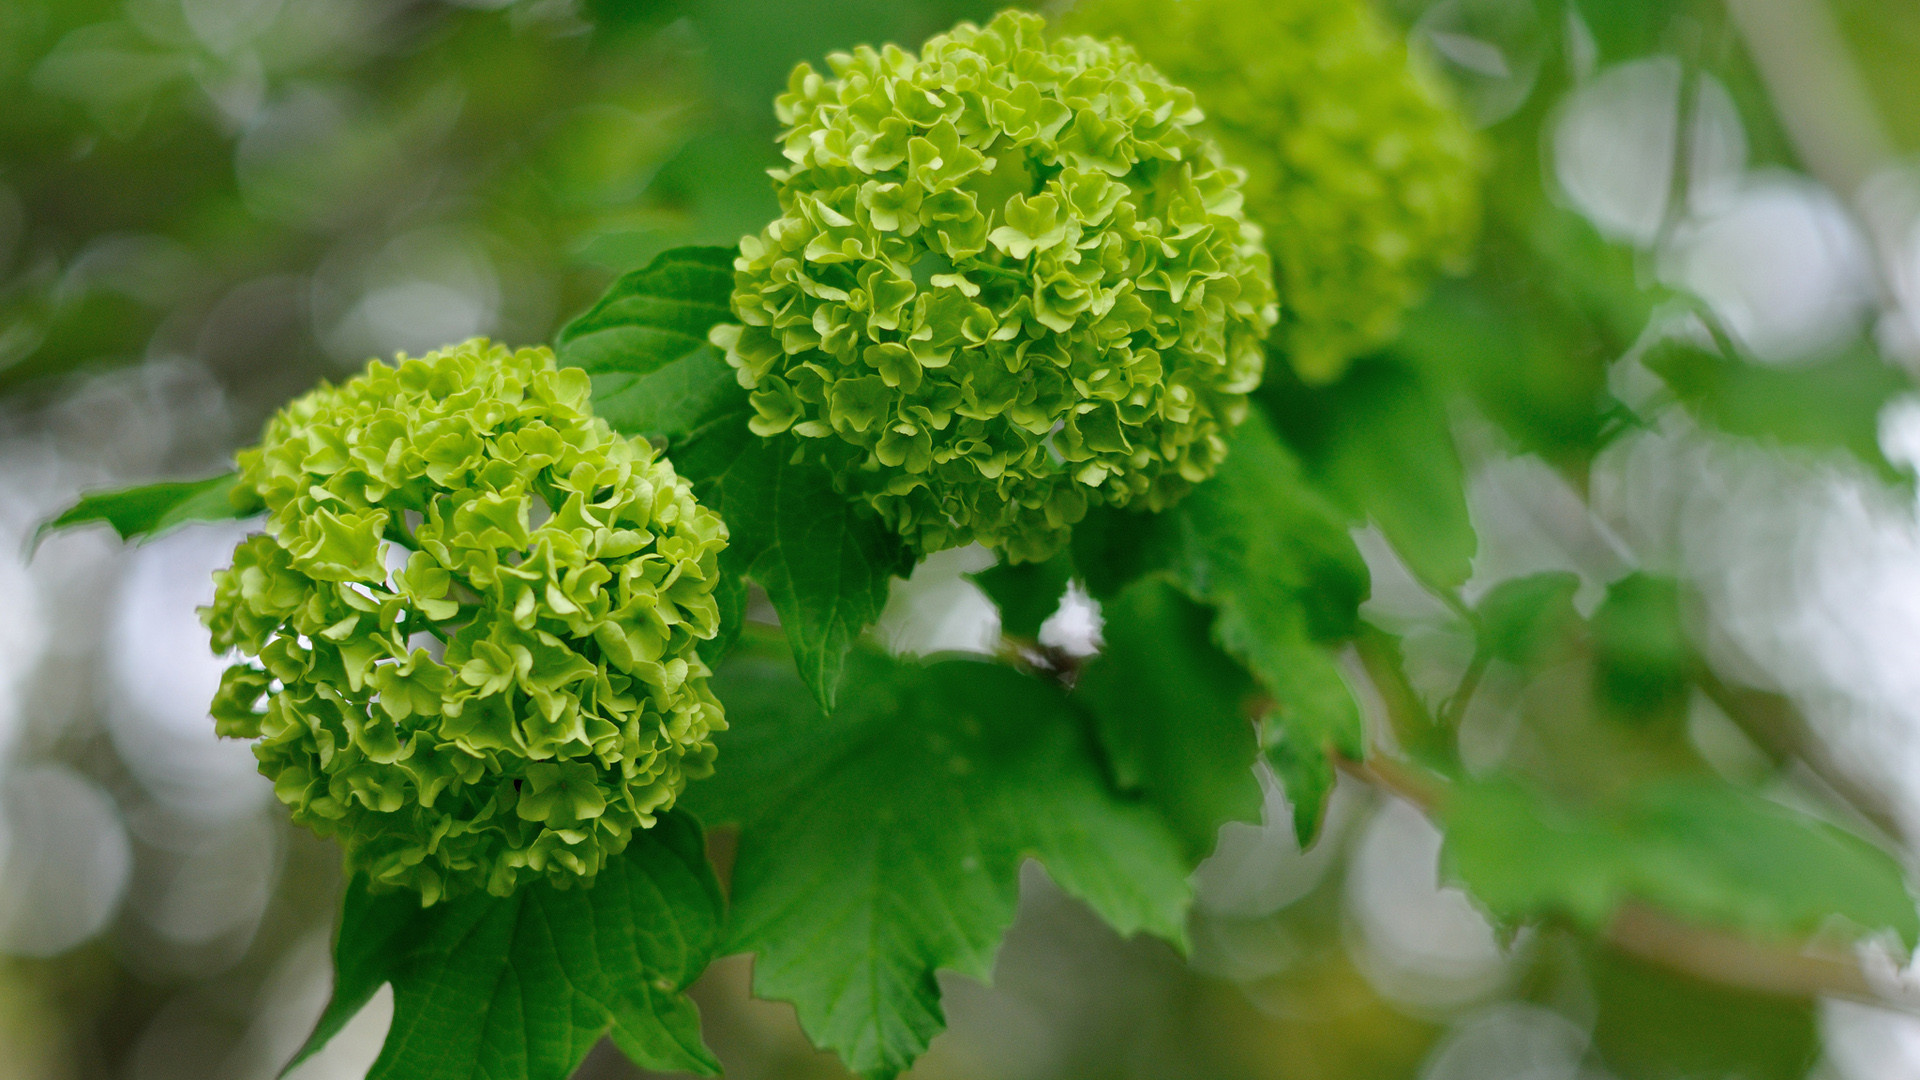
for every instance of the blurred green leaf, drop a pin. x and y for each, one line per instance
(1173, 713)
(1527, 619)
(1644, 661)
(1698, 848)
(141, 513)
(1303, 731)
(1027, 594)
(1270, 552)
(883, 843)
(1831, 405)
(1307, 775)
(1378, 440)
(645, 346)
(523, 986)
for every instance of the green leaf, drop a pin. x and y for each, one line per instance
(142, 513)
(1529, 336)
(1306, 774)
(1378, 440)
(645, 345)
(1643, 661)
(883, 843)
(1831, 405)
(1027, 594)
(1275, 560)
(1112, 549)
(1526, 620)
(522, 987)
(1174, 713)
(825, 562)
(1303, 732)
(1259, 543)
(1699, 848)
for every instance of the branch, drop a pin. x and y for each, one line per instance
(1784, 735)
(1714, 955)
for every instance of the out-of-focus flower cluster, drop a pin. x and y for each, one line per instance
(1359, 169)
(1011, 279)
(469, 625)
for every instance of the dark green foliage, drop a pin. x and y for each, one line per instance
(883, 843)
(1027, 594)
(1378, 440)
(485, 987)
(645, 344)
(1527, 620)
(1174, 713)
(1644, 662)
(825, 562)
(1274, 559)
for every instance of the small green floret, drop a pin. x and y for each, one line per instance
(1010, 279)
(1360, 170)
(468, 630)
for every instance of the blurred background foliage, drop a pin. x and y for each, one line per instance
(1644, 474)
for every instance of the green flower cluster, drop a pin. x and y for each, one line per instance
(1362, 173)
(1010, 279)
(468, 628)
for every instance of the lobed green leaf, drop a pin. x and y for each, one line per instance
(523, 986)
(883, 842)
(1834, 405)
(1379, 442)
(1174, 713)
(826, 563)
(644, 343)
(1275, 560)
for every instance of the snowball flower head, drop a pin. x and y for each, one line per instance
(1362, 173)
(467, 633)
(1011, 279)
